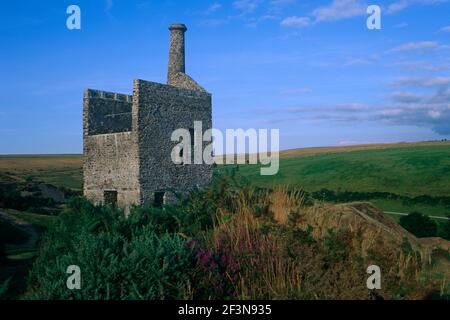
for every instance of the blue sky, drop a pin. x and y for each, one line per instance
(310, 68)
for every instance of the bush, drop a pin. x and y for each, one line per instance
(445, 230)
(419, 225)
(120, 258)
(145, 267)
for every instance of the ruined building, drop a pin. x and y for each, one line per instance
(127, 138)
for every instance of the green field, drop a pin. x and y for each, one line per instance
(410, 171)
(39, 221)
(404, 169)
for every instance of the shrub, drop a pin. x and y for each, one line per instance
(445, 230)
(119, 258)
(419, 225)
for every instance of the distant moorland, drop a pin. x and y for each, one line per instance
(400, 177)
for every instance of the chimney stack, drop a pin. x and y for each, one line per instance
(176, 52)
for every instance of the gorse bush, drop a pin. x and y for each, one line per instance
(227, 241)
(119, 258)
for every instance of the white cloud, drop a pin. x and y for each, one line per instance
(344, 9)
(398, 6)
(446, 29)
(337, 108)
(282, 2)
(339, 9)
(405, 108)
(401, 5)
(295, 21)
(277, 6)
(358, 61)
(414, 46)
(424, 82)
(406, 97)
(434, 114)
(401, 25)
(421, 66)
(246, 6)
(214, 7)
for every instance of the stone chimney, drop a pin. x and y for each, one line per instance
(176, 52)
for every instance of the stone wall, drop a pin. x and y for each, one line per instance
(158, 110)
(110, 159)
(108, 112)
(182, 80)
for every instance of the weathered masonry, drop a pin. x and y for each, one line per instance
(126, 139)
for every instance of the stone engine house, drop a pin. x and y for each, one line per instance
(127, 138)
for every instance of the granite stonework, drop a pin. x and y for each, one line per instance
(127, 139)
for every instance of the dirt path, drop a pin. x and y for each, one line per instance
(33, 235)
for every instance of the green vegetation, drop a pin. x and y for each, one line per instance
(410, 171)
(419, 225)
(11, 198)
(405, 171)
(11, 234)
(403, 176)
(229, 241)
(444, 230)
(40, 221)
(63, 171)
(17, 252)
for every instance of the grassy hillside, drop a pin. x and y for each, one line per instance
(292, 153)
(412, 171)
(406, 170)
(403, 169)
